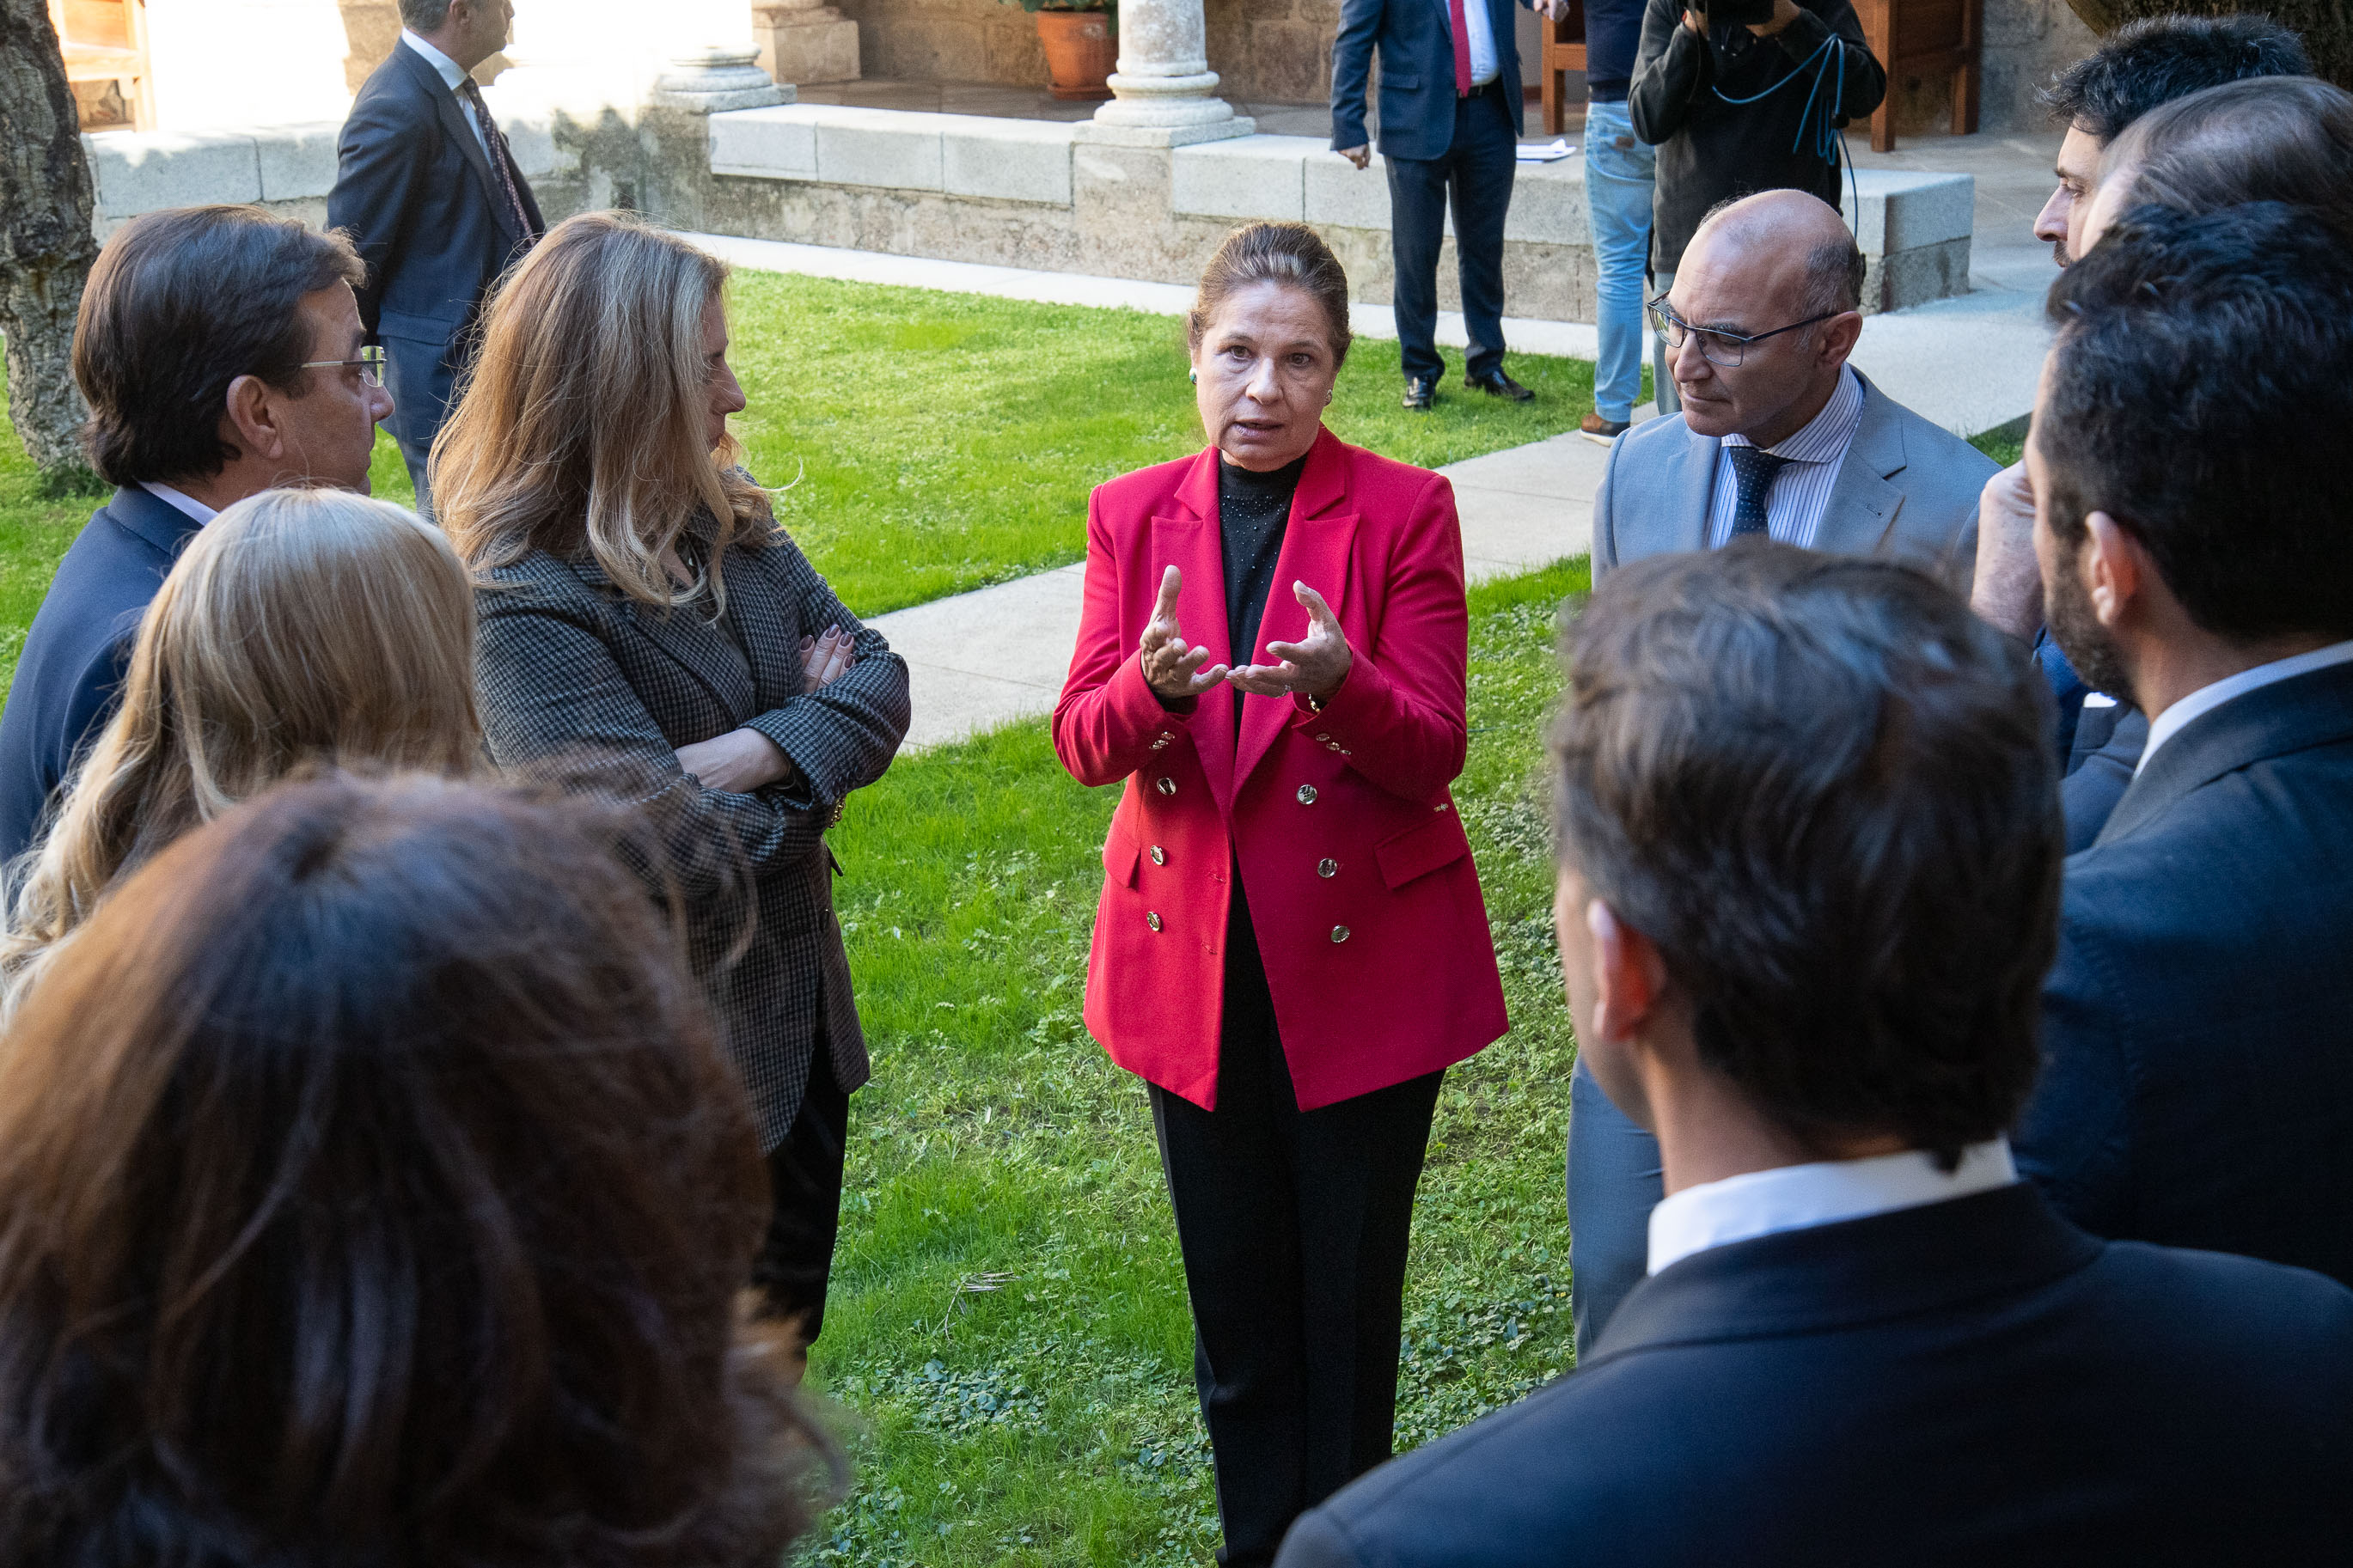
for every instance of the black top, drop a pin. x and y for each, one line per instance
(1253, 509)
(1961, 1382)
(1710, 147)
(1613, 31)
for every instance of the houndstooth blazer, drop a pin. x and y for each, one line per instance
(580, 681)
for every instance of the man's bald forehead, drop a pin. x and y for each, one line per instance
(1796, 219)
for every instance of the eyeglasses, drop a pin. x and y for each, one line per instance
(1723, 349)
(371, 364)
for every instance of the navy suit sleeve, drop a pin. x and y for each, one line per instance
(2074, 1140)
(1352, 63)
(1316, 1542)
(48, 736)
(381, 159)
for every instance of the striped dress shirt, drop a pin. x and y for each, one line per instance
(1801, 490)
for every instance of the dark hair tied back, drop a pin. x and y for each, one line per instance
(1291, 254)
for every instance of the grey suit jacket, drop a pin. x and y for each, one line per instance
(584, 684)
(1908, 488)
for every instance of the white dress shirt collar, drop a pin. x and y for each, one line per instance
(1797, 1197)
(450, 71)
(186, 505)
(2206, 699)
(1825, 436)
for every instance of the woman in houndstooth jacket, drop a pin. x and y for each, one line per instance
(645, 624)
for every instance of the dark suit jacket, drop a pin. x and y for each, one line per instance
(1417, 48)
(1971, 1383)
(2197, 1025)
(1905, 489)
(572, 672)
(415, 190)
(77, 650)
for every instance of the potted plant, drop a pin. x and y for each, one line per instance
(1079, 37)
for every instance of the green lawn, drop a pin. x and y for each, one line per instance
(1008, 1321)
(938, 442)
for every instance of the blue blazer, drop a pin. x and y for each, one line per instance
(1417, 48)
(2196, 1084)
(1906, 488)
(1968, 1382)
(77, 650)
(416, 192)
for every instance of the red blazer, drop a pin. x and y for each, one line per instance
(1359, 878)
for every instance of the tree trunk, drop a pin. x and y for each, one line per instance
(46, 247)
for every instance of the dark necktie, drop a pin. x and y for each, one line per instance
(1753, 469)
(495, 143)
(1461, 25)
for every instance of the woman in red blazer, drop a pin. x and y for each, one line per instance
(1291, 945)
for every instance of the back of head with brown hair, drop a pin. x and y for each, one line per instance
(2268, 139)
(581, 428)
(373, 1191)
(180, 304)
(298, 626)
(1824, 789)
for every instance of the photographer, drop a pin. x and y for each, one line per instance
(1748, 97)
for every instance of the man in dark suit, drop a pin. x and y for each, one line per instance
(1863, 1340)
(220, 351)
(428, 190)
(1451, 120)
(2137, 69)
(2196, 559)
(1778, 437)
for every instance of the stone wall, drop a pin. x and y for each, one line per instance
(947, 40)
(2027, 42)
(1271, 50)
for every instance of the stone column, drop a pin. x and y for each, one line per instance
(805, 41)
(713, 64)
(1164, 88)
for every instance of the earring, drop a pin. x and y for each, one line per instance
(1194, 376)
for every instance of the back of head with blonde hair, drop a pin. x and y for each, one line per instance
(581, 428)
(299, 626)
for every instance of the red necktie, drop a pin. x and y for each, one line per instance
(1462, 48)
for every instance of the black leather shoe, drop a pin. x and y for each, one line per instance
(1420, 392)
(1495, 383)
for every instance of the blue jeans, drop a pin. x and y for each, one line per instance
(1614, 1182)
(1617, 181)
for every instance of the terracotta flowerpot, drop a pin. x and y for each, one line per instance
(1080, 53)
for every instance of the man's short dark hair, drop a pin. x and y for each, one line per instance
(2159, 60)
(2198, 394)
(423, 16)
(180, 304)
(1825, 790)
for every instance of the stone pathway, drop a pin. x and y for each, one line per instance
(999, 654)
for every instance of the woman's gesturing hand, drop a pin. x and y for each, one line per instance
(1171, 668)
(1312, 667)
(826, 659)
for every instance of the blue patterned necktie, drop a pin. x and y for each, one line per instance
(1753, 469)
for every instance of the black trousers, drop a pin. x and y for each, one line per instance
(1294, 1226)
(1476, 175)
(795, 1260)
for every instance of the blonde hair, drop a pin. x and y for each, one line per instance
(582, 421)
(299, 626)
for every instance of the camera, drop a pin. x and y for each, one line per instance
(1737, 13)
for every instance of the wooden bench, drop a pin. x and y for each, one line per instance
(105, 43)
(1564, 51)
(1923, 38)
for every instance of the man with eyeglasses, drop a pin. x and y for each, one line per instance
(221, 354)
(1778, 437)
